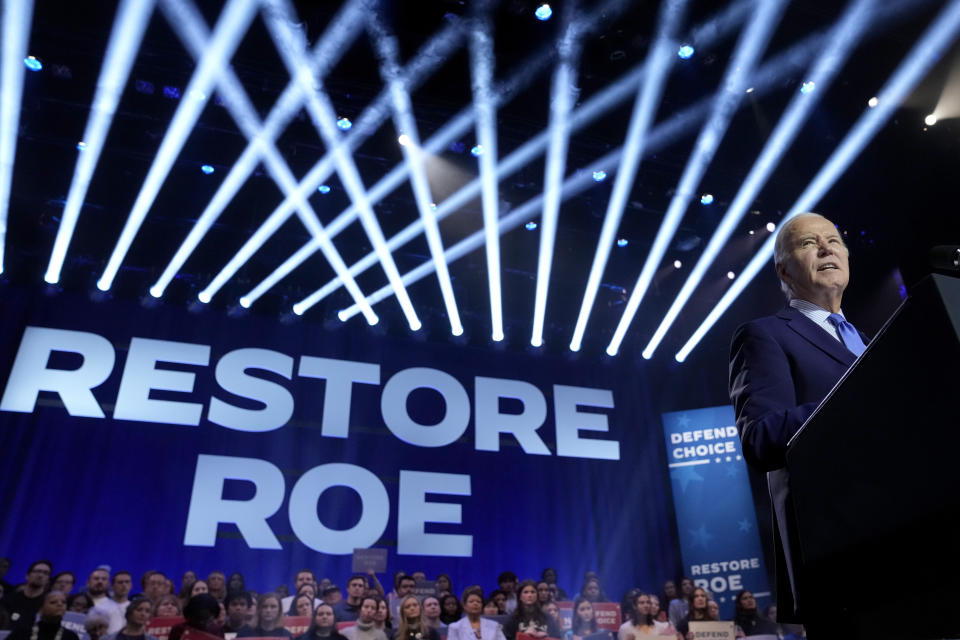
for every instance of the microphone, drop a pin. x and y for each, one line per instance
(945, 257)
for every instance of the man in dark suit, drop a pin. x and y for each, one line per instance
(782, 366)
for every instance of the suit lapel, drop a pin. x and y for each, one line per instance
(815, 334)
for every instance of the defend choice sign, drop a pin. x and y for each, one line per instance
(716, 520)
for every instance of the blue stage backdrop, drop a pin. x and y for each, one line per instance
(164, 439)
(716, 520)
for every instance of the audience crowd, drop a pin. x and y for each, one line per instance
(414, 609)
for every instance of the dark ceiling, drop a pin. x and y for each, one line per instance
(895, 201)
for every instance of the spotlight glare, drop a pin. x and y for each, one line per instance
(749, 89)
(404, 140)
(622, 242)
(706, 198)
(731, 275)
(207, 169)
(32, 63)
(543, 12)
(599, 176)
(457, 331)
(344, 124)
(872, 102)
(771, 227)
(81, 146)
(930, 120)
(245, 302)
(103, 285)
(808, 86)
(536, 341)
(324, 189)
(477, 151)
(530, 226)
(203, 297)
(497, 336)
(751, 232)
(156, 291)
(685, 52)
(677, 264)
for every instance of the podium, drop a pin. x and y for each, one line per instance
(875, 480)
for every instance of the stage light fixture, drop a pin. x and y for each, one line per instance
(930, 120)
(808, 86)
(751, 232)
(872, 102)
(324, 189)
(81, 146)
(142, 86)
(731, 275)
(344, 124)
(404, 140)
(32, 63)
(171, 92)
(622, 242)
(677, 264)
(771, 227)
(155, 291)
(207, 169)
(476, 151)
(543, 12)
(530, 226)
(599, 176)
(706, 198)
(749, 89)
(685, 52)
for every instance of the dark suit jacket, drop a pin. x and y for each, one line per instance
(781, 368)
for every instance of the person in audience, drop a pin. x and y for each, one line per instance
(431, 614)
(81, 603)
(383, 621)
(412, 626)
(507, 581)
(713, 610)
(552, 609)
(697, 612)
(302, 605)
(217, 585)
(198, 587)
(238, 603)
(63, 582)
(306, 590)
(490, 608)
(282, 591)
(269, 619)
(659, 616)
(591, 590)
(324, 626)
(583, 623)
(301, 578)
(637, 610)
(395, 593)
(366, 627)
(167, 607)
(472, 626)
(419, 576)
(668, 593)
(95, 624)
(23, 604)
(500, 598)
(444, 586)
(5, 587)
(332, 595)
(405, 588)
(746, 616)
(136, 617)
(252, 618)
(549, 575)
(528, 617)
(96, 588)
(121, 584)
(52, 607)
(543, 592)
(348, 609)
(154, 584)
(235, 583)
(679, 607)
(451, 611)
(200, 613)
(189, 577)
(4, 614)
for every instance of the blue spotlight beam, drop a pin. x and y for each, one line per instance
(644, 109)
(941, 33)
(232, 25)
(17, 17)
(485, 110)
(292, 46)
(458, 126)
(437, 50)
(125, 37)
(844, 36)
(333, 43)
(751, 45)
(563, 94)
(404, 122)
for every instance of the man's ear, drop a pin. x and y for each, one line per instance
(782, 273)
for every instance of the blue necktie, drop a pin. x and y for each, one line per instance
(848, 334)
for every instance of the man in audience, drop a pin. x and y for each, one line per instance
(419, 576)
(121, 585)
(238, 603)
(217, 585)
(23, 605)
(348, 610)
(332, 595)
(508, 584)
(405, 588)
(63, 582)
(304, 576)
(97, 590)
(154, 585)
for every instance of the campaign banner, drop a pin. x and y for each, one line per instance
(424, 588)
(160, 628)
(716, 519)
(296, 625)
(607, 614)
(74, 620)
(189, 633)
(712, 630)
(372, 559)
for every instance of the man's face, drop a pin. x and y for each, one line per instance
(237, 612)
(419, 576)
(156, 585)
(508, 586)
(368, 610)
(39, 576)
(356, 588)
(216, 581)
(406, 587)
(543, 592)
(817, 261)
(97, 582)
(122, 583)
(63, 584)
(332, 597)
(304, 577)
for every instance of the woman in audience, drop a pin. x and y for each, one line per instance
(236, 583)
(79, 603)
(47, 627)
(746, 616)
(490, 608)
(198, 587)
(444, 586)
(592, 591)
(583, 623)
(201, 614)
(472, 626)
(549, 575)
(189, 577)
(137, 616)
(638, 617)
(668, 593)
(301, 605)
(270, 621)
(431, 613)
(323, 627)
(167, 607)
(451, 609)
(659, 617)
(412, 626)
(383, 620)
(96, 624)
(698, 610)
(500, 597)
(528, 617)
(553, 613)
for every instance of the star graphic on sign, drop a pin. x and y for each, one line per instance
(685, 475)
(732, 471)
(745, 525)
(683, 421)
(701, 536)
